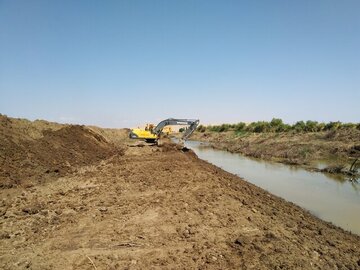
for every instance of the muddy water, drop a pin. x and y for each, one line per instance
(330, 198)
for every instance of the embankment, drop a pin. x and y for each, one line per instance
(153, 207)
(334, 147)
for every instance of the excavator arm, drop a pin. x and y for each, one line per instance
(192, 123)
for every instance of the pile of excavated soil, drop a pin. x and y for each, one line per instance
(25, 158)
(22, 129)
(118, 137)
(152, 209)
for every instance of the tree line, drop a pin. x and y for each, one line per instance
(277, 125)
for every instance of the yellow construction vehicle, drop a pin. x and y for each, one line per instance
(167, 130)
(152, 134)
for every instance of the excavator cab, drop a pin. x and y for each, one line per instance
(151, 134)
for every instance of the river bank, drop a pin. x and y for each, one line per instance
(336, 149)
(330, 194)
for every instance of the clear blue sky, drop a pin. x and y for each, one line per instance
(124, 63)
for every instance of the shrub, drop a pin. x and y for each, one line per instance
(332, 125)
(211, 128)
(284, 128)
(311, 126)
(277, 125)
(258, 127)
(240, 126)
(299, 126)
(201, 128)
(250, 127)
(224, 127)
(320, 126)
(221, 128)
(348, 126)
(276, 122)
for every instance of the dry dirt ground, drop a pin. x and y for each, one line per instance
(151, 208)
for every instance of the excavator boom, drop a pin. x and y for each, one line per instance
(192, 123)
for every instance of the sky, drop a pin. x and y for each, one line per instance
(126, 63)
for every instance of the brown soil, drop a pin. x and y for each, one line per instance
(157, 207)
(340, 146)
(46, 151)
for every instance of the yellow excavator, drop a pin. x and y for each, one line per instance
(151, 134)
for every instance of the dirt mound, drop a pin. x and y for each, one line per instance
(115, 136)
(167, 146)
(22, 129)
(155, 209)
(25, 159)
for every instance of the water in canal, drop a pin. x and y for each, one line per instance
(329, 198)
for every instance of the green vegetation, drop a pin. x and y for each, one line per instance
(276, 125)
(201, 128)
